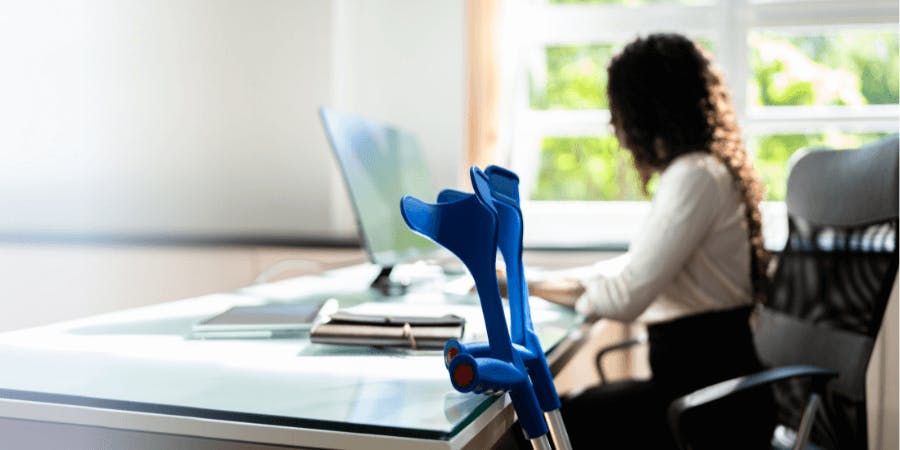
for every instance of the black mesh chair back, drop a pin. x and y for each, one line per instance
(833, 280)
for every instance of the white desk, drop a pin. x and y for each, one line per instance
(132, 380)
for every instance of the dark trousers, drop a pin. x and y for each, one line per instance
(685, 354)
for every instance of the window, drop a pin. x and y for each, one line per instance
(803, 73)
(773, 151)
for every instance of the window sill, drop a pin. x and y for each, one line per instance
(611, 225)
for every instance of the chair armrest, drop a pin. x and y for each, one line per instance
(727, 388)
(623, 345)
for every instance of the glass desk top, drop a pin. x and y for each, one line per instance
(141, 360)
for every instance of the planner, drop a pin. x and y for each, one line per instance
(413, 332)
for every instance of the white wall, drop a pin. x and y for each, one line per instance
(199, 116)
(44, 284)
(402, 61)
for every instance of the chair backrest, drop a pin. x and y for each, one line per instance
(833, 278)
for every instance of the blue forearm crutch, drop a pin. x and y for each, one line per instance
(505, 193)
(468, 227)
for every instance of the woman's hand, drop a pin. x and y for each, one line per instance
(562, 291)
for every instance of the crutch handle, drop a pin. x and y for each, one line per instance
(491, 376)
(541, 377)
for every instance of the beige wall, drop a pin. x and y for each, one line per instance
(882, 382)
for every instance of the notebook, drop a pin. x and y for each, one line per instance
(385, 330)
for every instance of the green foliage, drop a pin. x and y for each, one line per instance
(773, 152)
(848, 68)
(876, 62)
(596, 168)
(797, 93)
(586, 168)
(575, 78)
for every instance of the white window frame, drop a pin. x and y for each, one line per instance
(530, 25)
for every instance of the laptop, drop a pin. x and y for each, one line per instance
(381, 163)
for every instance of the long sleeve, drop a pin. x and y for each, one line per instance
(681, 215)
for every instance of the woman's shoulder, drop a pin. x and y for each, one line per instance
(697, 165)
(695, 175)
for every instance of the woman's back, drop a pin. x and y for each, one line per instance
(716, 274)
(691, 255)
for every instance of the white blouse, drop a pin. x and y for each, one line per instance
(691, 255)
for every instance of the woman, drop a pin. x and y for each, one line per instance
(694, 270)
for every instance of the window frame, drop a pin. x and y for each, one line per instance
(727, 23)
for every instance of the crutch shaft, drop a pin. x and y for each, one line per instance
(540, 443)
(558, 430)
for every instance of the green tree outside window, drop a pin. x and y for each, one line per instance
(585, 168)
(846, 68)
(849, 68)
(774, 151)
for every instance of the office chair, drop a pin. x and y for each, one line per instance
(826, 302)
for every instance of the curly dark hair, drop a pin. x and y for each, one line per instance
(666, 99)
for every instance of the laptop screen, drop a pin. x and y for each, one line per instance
(380, 164)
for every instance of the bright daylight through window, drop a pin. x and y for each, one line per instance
(802, 73)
